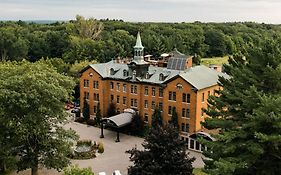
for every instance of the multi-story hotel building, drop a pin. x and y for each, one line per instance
(141, 86)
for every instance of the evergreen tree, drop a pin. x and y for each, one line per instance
(98, 114)
(86, 110)
(156, 118)
(111, 110)
(164, 154)
(247, 114)
(137, 125)
(174, 119)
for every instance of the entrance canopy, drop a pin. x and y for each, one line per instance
(122, 119)
(202, 134)
(118, 121)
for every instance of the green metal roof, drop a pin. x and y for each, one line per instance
(199, 77)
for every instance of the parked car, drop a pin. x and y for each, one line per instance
(116, 172)
(75, 110)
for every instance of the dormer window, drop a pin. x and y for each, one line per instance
(179, 86)
(125, 73)
(161, 77)
(147, 75)
(112, 71)
(134, 74)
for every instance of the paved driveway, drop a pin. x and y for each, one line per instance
(114, 156)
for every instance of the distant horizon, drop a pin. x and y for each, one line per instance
(166, 11)
(50, 21)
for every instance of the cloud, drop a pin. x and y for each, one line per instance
(145, 10)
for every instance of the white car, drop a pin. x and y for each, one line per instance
(116, 172)
(102, 173)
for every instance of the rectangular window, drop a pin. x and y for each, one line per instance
(145, 90)
(135, 89)
(118, 86)
(132, 89)
(183, 127)
(96, 97)
(209, 93)
(112, 98)
(86, 83)
(203, 97)
(132, 102)
(202, 112)
(118, 99)
(111, 85)
(124, 100)
(186, 127)
(153, 105)
(135, 102)
(95, 109)
(185, 113)
(96, 85)
(146, 104)
(160, 92)
(153, 91)
(86, 95)
(145, 117)
(124, 88)
(172, 96)
(161, 106)
(186, 98)
(170, 110)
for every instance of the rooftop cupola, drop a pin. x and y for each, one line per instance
(138, 49)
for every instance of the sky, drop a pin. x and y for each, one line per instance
(262, 11)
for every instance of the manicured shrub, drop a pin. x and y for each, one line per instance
(100, 147)
(84, 142)
(80, 120)
(91, 122)
(75, 170)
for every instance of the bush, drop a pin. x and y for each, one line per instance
(91, 122)
(80, 120)
(100, 147)
(75, 170)
(84, 142)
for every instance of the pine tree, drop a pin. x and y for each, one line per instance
(98, 114)
(174, 119)
(86, 110)
(156, 118)
(247, 114)
(111, 110)
(164, 154)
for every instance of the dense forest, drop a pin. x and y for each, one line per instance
(103, 40)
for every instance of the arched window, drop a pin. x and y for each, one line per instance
(179, 86)
(161, 77)
(125, 73)
(147, 75)
(112, 71)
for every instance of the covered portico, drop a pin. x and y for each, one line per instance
(118, 121)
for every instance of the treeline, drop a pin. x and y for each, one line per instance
(103, 40)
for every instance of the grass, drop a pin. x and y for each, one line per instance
(198, 171)
(214, 60)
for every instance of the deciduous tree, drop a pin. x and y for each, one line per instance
(32, 98)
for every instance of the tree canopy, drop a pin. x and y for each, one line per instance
(32, 98)
(103, 40)
(164, 154)
(247, 114)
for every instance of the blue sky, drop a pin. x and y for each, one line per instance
(267, 11)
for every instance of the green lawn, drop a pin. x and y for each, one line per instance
(214, 60)
(198, 171)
